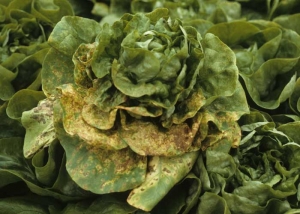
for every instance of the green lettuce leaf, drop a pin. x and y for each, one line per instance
(39, 128)
(267, 57)
(105, 204)
(111, 170)
(27, 205)
(181, 198)
(163, 174)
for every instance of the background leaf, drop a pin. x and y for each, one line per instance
(22, 101)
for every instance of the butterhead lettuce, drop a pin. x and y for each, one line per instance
(134, 102)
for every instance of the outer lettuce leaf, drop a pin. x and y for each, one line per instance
(9, 127)
(268, 9)
(48, 12)
(145, 138)
(13, 155)
(111, 170)
(68, 34)
(13, 164)
(7, 89)
(212, 203)
(22, 101)
(181, 198)
(46, 171)
(290, 129)
(218, 126)
(231, 34)
(75, 125)
(40, 129)
(163, 174)
(218, 68)
(27, 204)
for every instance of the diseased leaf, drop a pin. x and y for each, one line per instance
(64, 40)
(163, 173)
(72, 103)
(97, 118)
(145, 138)
(181, 198)
(111, 170)
(64, 183)
(39, 128)
(61, 72)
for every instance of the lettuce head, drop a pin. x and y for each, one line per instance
(132, 103)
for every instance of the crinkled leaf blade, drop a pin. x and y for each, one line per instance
(70, 32)
(261, 85)
(219, 74)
